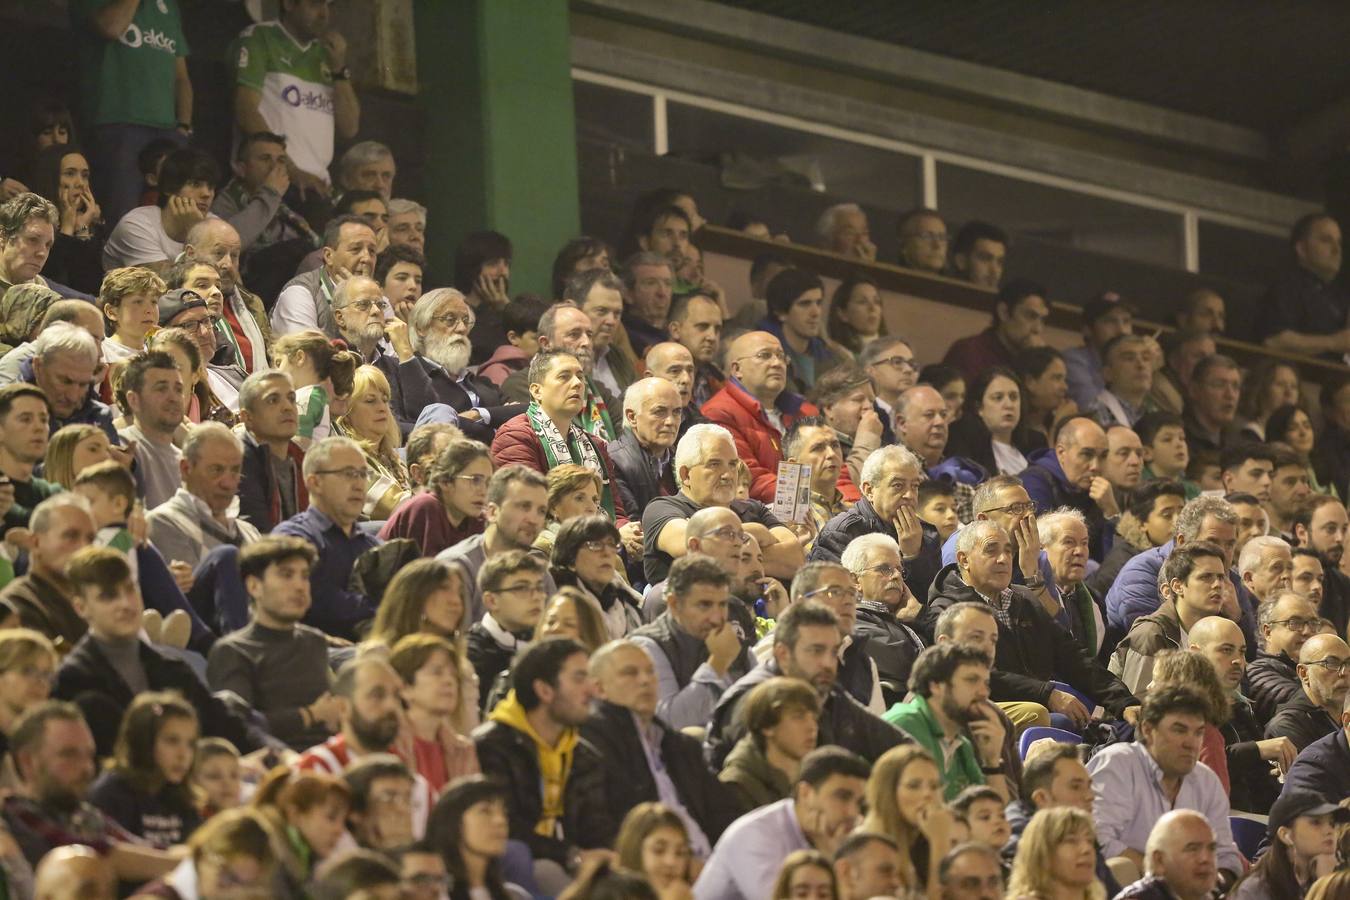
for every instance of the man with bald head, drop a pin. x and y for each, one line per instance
(756, 407)
(1324, 674)
(1252, 786)
(644, 453)
(1073, 474)
(1286, 622)
(675, 364)
(1180, 860)
(74, 872)
(921, 423)
(245, 328)
(1323, 767)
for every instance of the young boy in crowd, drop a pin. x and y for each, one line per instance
(1166, 454)
(937, 506)
(520, 318)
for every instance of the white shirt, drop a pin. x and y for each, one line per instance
(139, 238)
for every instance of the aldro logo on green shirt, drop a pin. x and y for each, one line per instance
(133, 37)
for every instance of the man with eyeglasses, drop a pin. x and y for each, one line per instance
(1020, 311)
(890, 493)
(694, 644)
(889, 363)
(359, 310)
(923, 240)
(1323, 767)
(885, 608)
(1324, 674)
(1193, 576)
(1032, 647)
(1287, 621)
(434, 368)
(306, 301)
(424, 874)
(758, 409)
(513, 591)
(1072, 474)
(643, 455)
(382, 789)
(833, 586)
(705, 469)
(335, 478)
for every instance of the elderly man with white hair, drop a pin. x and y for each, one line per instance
(67, 364)
(436, 370)
(889, 505)
(1064, 535)
(407, 224)
(1180, 860)
(842, 229)
(1031, 644)
(885, 607)
(643, 454)
(1266, 566)
(368, 166)
(705, 470)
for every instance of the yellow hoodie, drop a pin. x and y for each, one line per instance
(555, 762)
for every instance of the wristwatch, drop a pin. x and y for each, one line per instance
(1036, 582)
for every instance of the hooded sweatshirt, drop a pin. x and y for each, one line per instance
(555, 761)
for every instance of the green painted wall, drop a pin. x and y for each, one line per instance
(500, 139)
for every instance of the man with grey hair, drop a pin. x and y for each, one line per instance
(885, 608)
(16, 366)
(842, 229)
(60, 525)
(196, 519)
(306, 301)
(890, 493)
(599, 294)
(246, 329)
(1266, 565)
(28, 226)
(336, 473)
(643, 454)
(563, 326)
(407, 224)
(1135, 591)
(436, 370)
(1030, 643)
(650, 280)
(1180, 860)
(1287, 621)
(67, 365)
(705, 470)
(1064, 535)
(271, 484)
(368, 166)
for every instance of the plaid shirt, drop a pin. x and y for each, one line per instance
(1000, 605)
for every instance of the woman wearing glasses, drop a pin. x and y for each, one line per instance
(586, 556)
(451, 509)
(371, 423)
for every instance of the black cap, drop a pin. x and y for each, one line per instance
(1104, 303)
(176, 301)
(1292, 805)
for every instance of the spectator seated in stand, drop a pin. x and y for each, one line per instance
(451, 508)
(1315, 710)
(1020, 311)
(149, 234)
(1287, 622)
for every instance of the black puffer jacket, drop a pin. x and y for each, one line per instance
(612, 731)
(891, 644)
(1272, 680)
(638, 477)
(1033, 651)
(508, 755)
(862, 519)
(1302, 721)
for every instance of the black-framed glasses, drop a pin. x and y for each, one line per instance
(897, 362)
(601, 546)
(1297, 623)
(1016, 509)
(1335, 666)
(536, 590)
(367, 305)
(728, 533)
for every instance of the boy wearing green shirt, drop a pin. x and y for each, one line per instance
(950, 716)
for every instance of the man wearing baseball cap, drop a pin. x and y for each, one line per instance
(1107, 315)
(186, 310)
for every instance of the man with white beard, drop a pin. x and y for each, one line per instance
(438, 369)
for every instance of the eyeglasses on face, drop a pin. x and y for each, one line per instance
(1296, 623)
(765, 356)
(476, 481)
(600, 546)
(367, 305)
(897, 362)
(1016, 509)
(450, 321)
(728, 533)
(351, 473)
(1332, 664)
(886, 570)
(834, 593)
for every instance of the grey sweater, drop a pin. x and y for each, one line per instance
(276, 673)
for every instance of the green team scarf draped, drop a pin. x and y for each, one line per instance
(577, 448)
(595, 417)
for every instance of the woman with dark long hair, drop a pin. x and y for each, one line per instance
(61, 175)
(990, 430)
(469, 825)
(1045, 400)
(1289, 424)
(855, 317)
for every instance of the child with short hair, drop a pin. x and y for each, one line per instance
(520, 318)
(1166, 453)
(146, 788)
(982, 810)
(215, 775)
(937, 506)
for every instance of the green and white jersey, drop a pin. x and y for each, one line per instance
(297, 91)
(129, 80)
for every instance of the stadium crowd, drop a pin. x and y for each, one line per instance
(322, 578)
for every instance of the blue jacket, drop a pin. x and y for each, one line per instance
(1323, 768)
(1135, 594)
(1049, 489)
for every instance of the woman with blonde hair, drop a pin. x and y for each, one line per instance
(438, 712)
(73, 449)
(371, 423)
(320, 369)
(1057, 858)
(654, 842)
(805, 875)
(904, 802)
(573, 491)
